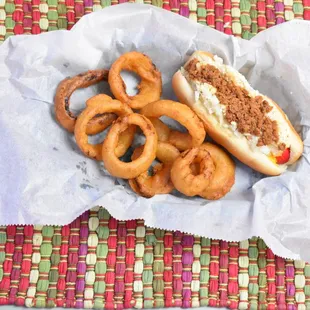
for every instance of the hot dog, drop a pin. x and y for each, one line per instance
(248, 124)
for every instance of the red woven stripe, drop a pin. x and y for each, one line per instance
(63, 266)
(219, 15)
(261, 19)
(306, 4)
(130, 260)
(17, 260)
(166, 5)
(262, 270)
(210, 4)
(70, 13)
(271, 275)
(35, 17)
(18, 16)
(214, 273)
(7, 265)
(168, 293)
(177, 269)
(81, 266)
(223, 279)
(270, 13)
(71, 276)
(233, 269)
(187, 261)
(79, 11)
(280, 281)
(111, 261)
(227, 17)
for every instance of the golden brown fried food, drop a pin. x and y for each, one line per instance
(224, 175)
(182, 176)
(150, 86)
(182, 114)
(132, 169)
(182, 141)
(159, 182)
(62, 100)
(100, 105)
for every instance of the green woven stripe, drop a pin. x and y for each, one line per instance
(253, 273)
(262, 279)
(9, 23)
(307, 287)
(52, 14)
(201, 12)
(62, 22)
(298, 8)
(9, 7)
(44, 266)
(62, 9)
(105, 3)
(2, 249)
(253, 16)
(158, 268)
(158, 3)
(245, 5)
(245, 19)
(54, 274)
(147, 274)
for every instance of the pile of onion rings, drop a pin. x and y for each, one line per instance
(184, 179)
(181, 113)
(160, 182)
(186, 163)
(150, 86)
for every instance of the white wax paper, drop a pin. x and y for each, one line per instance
(44, 178)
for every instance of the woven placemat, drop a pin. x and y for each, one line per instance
(238, 17)
(97, 261)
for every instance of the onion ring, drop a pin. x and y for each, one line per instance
(149, 87)
(160, 182)
(132, 169)
(163, 131)
(183, 178)
(100, 123)
(166, 153)
(149, 186)
(224, 175)
(181, 113)
(99, 105)
(195, 168)
(182, 141)
(62, 99)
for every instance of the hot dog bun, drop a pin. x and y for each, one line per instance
(261, 159)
